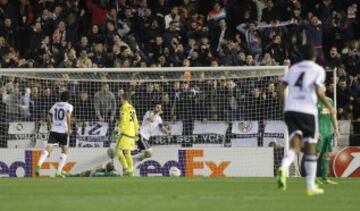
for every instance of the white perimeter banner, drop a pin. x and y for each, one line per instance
(231, 162)
(92, 134)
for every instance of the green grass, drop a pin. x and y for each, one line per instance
(155, 193)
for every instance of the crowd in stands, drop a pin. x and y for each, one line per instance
(162, 33)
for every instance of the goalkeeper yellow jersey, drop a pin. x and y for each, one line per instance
(129, 124)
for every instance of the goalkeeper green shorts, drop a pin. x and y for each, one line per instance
(325, 144)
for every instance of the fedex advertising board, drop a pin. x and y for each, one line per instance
(212, 162)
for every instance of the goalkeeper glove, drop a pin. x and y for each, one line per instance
(116, 134)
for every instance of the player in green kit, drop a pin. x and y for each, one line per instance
(98, 171)
(328, 130)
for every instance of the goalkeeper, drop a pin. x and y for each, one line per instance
(99, 171)
(126, 134)
(328, 131)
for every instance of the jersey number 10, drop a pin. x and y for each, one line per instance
(59, 114)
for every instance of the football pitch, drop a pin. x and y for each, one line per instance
(158, 193)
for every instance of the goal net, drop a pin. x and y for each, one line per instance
(209, 108)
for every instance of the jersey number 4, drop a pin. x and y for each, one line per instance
(299, 81)
(59, 114)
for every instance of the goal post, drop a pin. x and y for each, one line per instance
(210, 108)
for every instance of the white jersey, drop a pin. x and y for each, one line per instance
(148, 128)
(302, 79)
(59, 113)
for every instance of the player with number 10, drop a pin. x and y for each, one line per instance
(59, 118)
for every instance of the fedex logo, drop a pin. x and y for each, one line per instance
(31, 159)
(186, 164)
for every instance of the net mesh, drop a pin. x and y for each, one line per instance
(236, 107)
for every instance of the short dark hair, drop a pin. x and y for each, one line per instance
(309, 52)
(64, 96)
(127, 96)
(109, 167)
(156, 103)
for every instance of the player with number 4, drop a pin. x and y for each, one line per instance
(305, 84)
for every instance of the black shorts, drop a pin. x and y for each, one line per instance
(142, 143)
(302, 124)
(58, 138)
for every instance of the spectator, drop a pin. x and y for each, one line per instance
(220, 35)
(172, 16)
(99, 56)
(98, 12)
(269, 14)
(333, 59)
(10, 97)
(8, 32)
(167, 107)
(276, 50)
(325, 12)
(252, 37)
(216, 14)
(84, 110)
(84, 61)
(105, 104)
(171, 32)
(83, 45)
(352, 59)
(344, 99)
(267, 60)
(271, 104)
(249, 61)
(314, 35)
(228, 54)
(185, 107)
(255, 105)
(26, 105)
(60, 33)
(95, 35)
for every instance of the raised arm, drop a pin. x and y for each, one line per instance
(241, 28)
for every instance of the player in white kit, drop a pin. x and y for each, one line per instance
(151, 121)
(59, 116)
(305, 83)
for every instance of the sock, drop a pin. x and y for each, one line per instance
(43, 157)
(121, 157)
(62, 162)
(129, 161)
(139, 157)
(325, 167)
(288, 159)
(310, 169)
